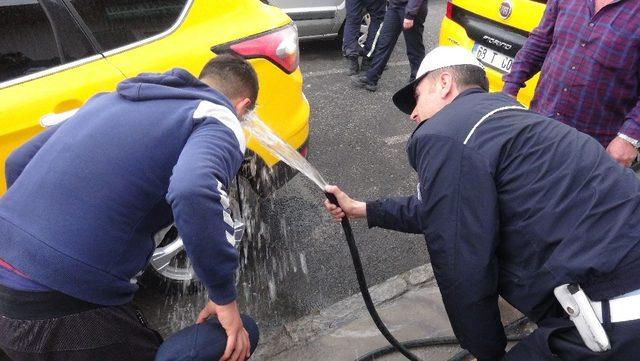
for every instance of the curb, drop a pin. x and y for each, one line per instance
(310, 327)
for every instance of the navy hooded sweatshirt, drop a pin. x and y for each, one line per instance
(85, 198)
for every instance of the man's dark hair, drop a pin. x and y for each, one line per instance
(232, 76)
(466, 76)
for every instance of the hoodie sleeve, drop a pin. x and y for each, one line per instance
(19, 158)
(198, 196)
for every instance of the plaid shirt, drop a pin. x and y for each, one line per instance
(590, 67)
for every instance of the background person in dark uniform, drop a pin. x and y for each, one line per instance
(512, 204)
(350, 47)
(402, 16)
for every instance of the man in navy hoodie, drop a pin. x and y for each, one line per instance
(85, 198)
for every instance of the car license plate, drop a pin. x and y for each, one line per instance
(493, 58)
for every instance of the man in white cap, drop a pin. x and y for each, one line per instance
(516, 205)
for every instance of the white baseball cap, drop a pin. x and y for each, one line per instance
(438, 58)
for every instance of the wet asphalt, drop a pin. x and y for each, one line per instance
(299, 263)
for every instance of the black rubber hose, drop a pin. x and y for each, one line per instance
(362, 283)
(419, 343)
(426, 342)
(396, 346)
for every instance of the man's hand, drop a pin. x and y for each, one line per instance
(348, 207)
(622, 151)
(238, 345)
(407, 24)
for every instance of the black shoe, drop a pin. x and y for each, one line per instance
(366, 64)
(362, 82)
(354, 66)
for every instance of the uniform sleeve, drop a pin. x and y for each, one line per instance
(460, 208)
(198, 197)
(411, 11)
(398, 214)
(530, 58)
(19, 158)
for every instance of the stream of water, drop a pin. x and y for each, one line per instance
(280, 149)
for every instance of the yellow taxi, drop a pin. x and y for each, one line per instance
(494, 31)
(56, 54)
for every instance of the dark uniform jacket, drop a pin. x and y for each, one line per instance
(412, 7)
(514, 206)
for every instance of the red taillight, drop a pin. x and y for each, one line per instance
(449, 10)
(279, 46)
(304, 151)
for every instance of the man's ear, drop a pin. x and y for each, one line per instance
(242, 106)
(445, 85)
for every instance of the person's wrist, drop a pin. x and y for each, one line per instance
(359, 210)
(634, 142)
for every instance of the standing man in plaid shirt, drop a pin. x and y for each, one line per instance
(588, 52)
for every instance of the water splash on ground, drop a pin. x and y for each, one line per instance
(303, 263)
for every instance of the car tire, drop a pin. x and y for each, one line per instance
(339, 37)
(178, 277)
(364, 27)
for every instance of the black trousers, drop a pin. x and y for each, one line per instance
(558, 339)
(52, 326)
(391, 29)
(351, 31)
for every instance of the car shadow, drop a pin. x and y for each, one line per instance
(311, 50)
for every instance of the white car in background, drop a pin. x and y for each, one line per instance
(319, 19)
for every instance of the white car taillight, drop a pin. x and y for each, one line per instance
(279, 46)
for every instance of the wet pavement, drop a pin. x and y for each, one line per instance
(410, 305)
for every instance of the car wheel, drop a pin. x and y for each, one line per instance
(362, 37)
(364, 29)
(170, 269)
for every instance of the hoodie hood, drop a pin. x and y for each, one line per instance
(174, 84)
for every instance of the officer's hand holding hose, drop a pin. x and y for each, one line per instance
(238, 345)
(350, 207)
